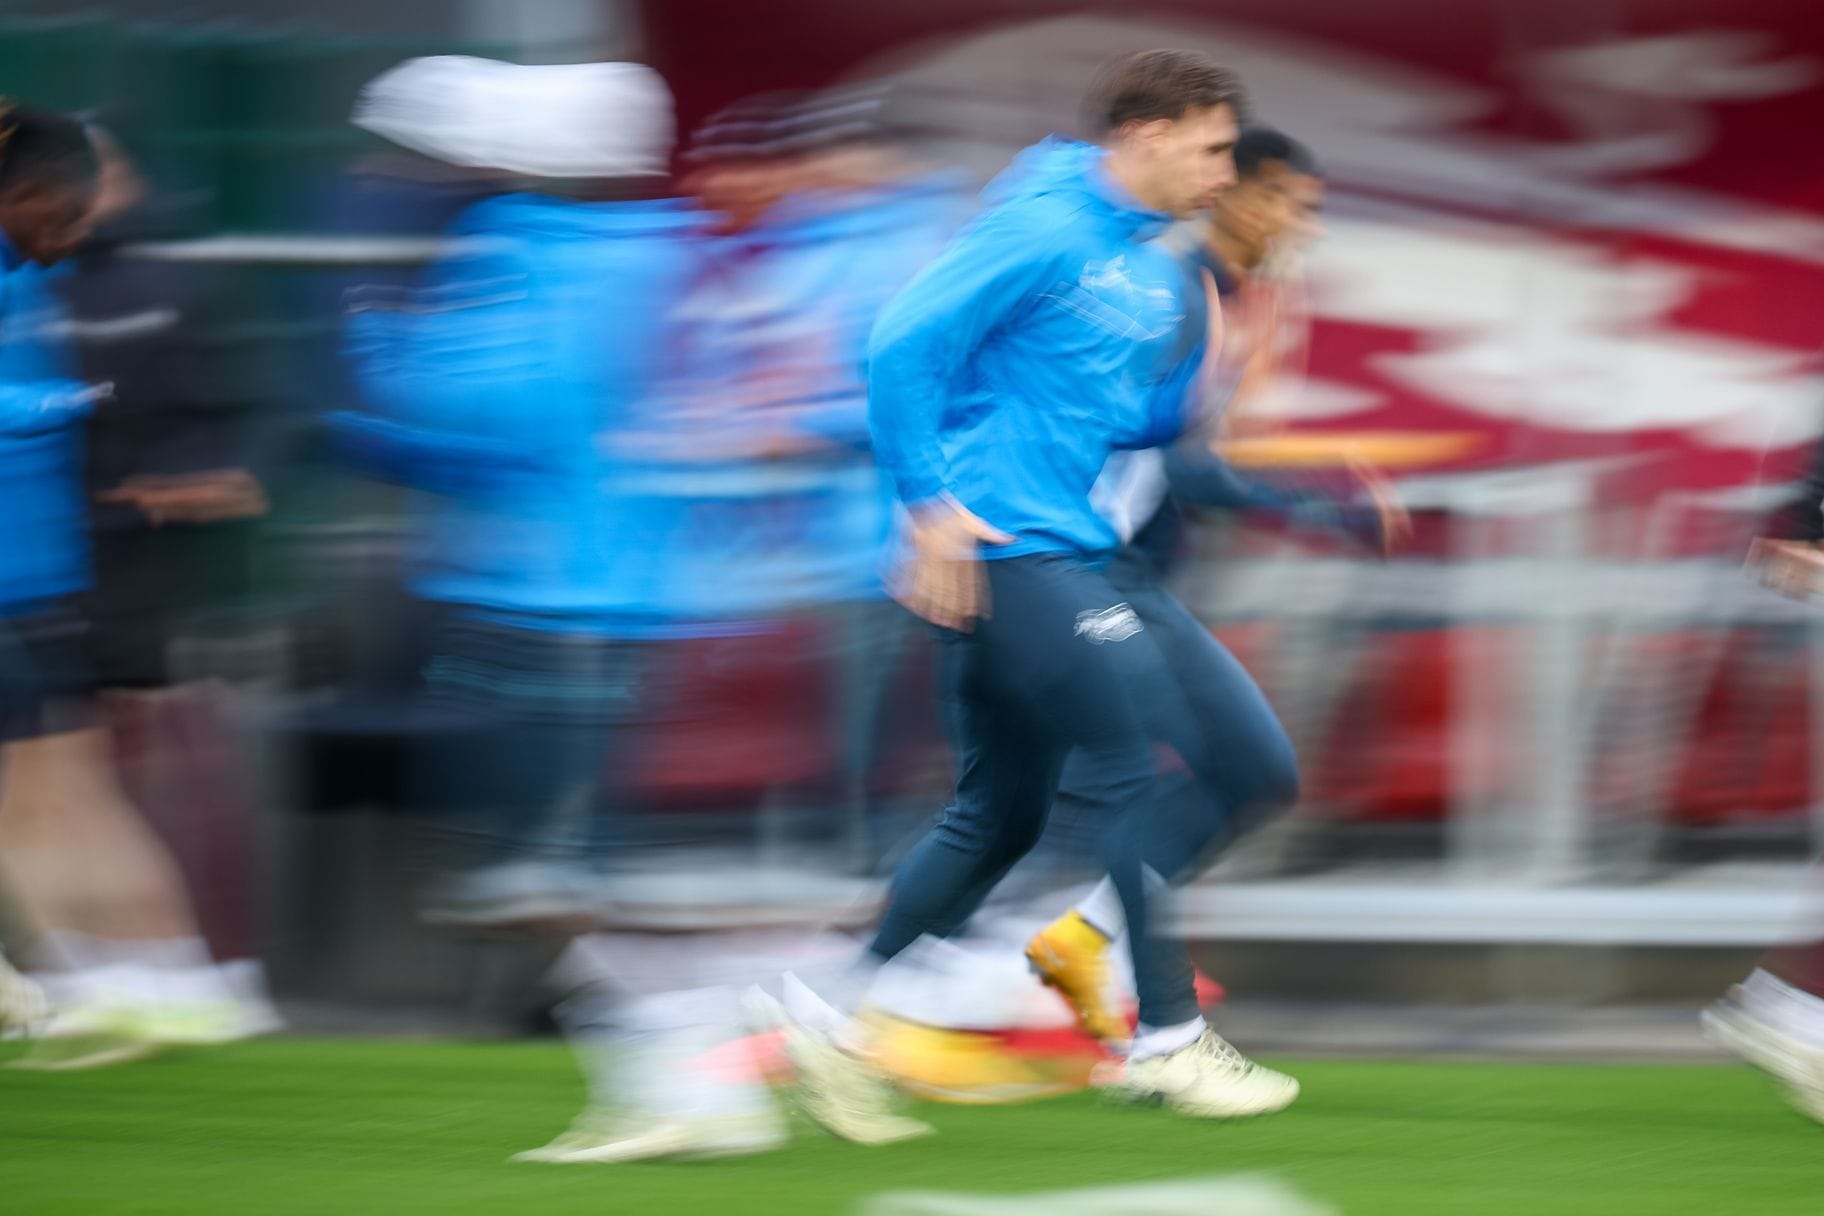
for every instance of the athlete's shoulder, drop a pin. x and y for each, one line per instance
(1049, 225)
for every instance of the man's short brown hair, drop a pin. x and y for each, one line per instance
(1151, 85)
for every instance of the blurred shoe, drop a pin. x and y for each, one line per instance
(1209, 1079)
(606, 1137)
(965, 1066)
(1071, 956)
(1796, 1064)
(840, 1088)
(23, 1004)
(514, 893)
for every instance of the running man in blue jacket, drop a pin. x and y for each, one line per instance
(1054, 332)
(1254, 233)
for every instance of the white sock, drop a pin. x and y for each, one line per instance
(170, 953)
(71, 950)
(204, 985)
(842, 987)
(1790, 1010)
(808, 1008)
(1164, 1040)
(1102, 909)
(667, 1061)
(829, 1009)
(138, 973)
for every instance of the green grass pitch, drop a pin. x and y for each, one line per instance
(340, 1127)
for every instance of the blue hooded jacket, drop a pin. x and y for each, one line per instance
(498, 390)
(773, 346)
(1051, 333)
(45, 551)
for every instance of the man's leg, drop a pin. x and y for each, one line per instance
(1238, 766)
(1006, 773)
(1234, 763)
(1047, 671)
(1774, 1020)
(114, 923)
(1155, 838)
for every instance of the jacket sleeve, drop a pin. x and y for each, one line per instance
(1177, 405)
(35, 407)
(926, 335)
(1198, 477)
(1803, 518)
(459, 379)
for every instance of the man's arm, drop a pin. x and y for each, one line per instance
(1199, 477)
(919, 349)
(457, 378)
(926, 336)
(35, 407)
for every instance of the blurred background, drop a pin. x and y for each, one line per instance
(1569, 293)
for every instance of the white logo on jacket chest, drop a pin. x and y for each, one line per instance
(1115, 624)
(1107, 294)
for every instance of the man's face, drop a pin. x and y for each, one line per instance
(119, 187)
(741, 190)
(1192, 159)
(46, 223)
(1277, 204)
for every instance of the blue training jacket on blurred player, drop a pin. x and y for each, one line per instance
(772, 350)
(499, 389)
(45, 554)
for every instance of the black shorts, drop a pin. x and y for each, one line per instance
(45, 688)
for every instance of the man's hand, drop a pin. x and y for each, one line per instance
(192, 498)
(944, 581)
(1792, 568)
(1396, 522)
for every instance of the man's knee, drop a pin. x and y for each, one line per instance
(1279, 776)
(1005, 831)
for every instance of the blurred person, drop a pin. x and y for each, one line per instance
(1774, 1019)
(489, 389)
(409, 188)
(508, 390)
(758, 446)
(170, 481)
(774, 340)
(1051, 334)
(1253, 231)
(113, 931)
(1254, 237)
(866, 216)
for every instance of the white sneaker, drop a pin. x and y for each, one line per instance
(1796, 1064)
(606, 1138)
(23, 1004)
(1208, 1079)
(839, 1089)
